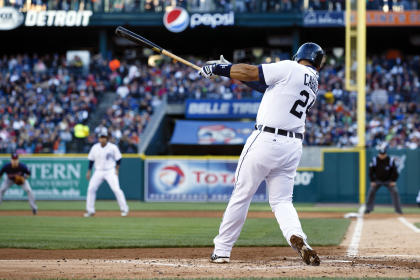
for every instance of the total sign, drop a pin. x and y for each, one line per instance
(177, 19)
(192, 180)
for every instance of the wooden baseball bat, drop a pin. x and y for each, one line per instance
(140, 40)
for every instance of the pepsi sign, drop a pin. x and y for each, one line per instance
(177, 19)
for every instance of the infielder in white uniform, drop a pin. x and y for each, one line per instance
(106, 158)
(272, 152)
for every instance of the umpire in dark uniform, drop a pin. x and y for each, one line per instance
(383, 172)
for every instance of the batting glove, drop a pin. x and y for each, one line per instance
(221, 60)
(207, 71)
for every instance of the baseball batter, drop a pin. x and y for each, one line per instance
(17, 173)
(272, 152)
(106, 158)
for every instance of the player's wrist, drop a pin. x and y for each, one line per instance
(222, 70)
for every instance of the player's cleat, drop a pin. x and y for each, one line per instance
(34, 211)
(124, 213)
(367, 211)
(308, 255)
(219, 259)
(88, 214)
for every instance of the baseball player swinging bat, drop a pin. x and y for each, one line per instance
(140, 40)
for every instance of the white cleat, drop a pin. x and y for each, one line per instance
(219, 259)
(88, 214)
(124, 214)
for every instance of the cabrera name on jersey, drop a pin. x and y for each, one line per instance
(292, 90)
(104, 157)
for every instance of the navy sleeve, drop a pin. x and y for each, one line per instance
(256, 86)
(25, 169)
(91, 164)
(261, 75)
(118, 162)
(2, 170)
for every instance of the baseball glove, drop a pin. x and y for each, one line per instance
(19, 180)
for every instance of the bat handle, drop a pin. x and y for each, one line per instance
(180, 59)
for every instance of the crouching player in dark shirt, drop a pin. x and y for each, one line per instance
(17, 173)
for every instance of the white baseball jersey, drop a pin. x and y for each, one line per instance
(270, 157)
(292, 90)
(104, 157)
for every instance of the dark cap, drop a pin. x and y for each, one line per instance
(383, 148)
(14, 156)
(103, 134)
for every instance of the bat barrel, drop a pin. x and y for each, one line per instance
(136, 38)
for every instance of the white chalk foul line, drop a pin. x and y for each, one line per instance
(218, 266)
(353, 248)
(153, 263)
(408, 224)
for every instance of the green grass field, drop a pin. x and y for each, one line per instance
(188, 206)
(117, 232)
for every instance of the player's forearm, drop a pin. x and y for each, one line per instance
(244, 72)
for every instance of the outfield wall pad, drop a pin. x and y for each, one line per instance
(156, 178)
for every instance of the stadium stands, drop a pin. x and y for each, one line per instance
(43, 97)
(238, 6)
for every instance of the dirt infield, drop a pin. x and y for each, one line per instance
(387, 248)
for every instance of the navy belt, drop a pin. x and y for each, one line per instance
(279, 131)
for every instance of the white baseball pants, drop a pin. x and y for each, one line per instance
(112, 179)
(273, 158)
(7, 183)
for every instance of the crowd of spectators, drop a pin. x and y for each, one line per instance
(393, 95)
(392, 110)
(248, 6)
(136, 88)
(41, 99)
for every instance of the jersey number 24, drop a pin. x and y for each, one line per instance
(298, 112)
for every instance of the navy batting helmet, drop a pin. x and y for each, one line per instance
(311, 52)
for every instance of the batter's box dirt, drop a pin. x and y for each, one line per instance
(143, 267)
(199, 268)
